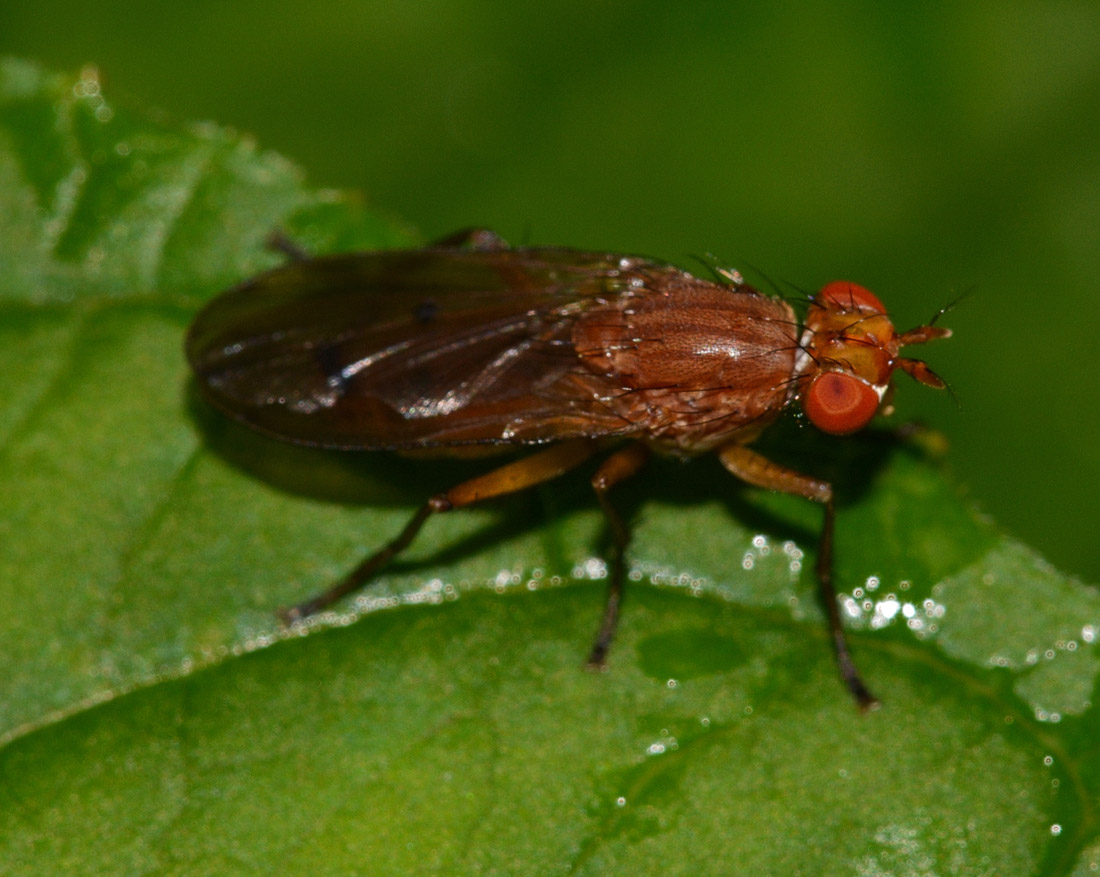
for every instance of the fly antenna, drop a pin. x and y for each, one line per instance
(919, 371)
(950, 306)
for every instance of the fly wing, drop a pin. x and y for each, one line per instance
(407, 349)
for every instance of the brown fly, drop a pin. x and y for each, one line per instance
(571, 352)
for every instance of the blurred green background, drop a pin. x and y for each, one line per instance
(923, 150)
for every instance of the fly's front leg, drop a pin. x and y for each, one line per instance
(759, 471)
(510, 478)
(618, 467)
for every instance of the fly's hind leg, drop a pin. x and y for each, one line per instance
(618, 467)
(480, 239)
(278, 241)
(510, 478)
(759, 471)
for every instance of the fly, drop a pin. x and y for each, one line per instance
(471, 342)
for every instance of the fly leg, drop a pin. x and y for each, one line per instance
(480, 239)
(279, 241)
(618, 467)
(513, 275)
(510, 478)
(759, 471)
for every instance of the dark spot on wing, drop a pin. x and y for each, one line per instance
(426, 311)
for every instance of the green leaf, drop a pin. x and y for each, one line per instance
(155, 718)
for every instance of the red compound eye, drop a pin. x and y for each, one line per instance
(845, 296)
(839, 403)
